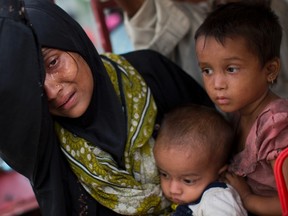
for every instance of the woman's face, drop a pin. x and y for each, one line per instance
(68, 83)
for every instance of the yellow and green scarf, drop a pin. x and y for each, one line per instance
(135, 190)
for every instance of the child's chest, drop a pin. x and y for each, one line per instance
(242, 131)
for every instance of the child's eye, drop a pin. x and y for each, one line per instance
(232, 69)
(207, 71)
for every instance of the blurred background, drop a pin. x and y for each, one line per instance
(81, 10)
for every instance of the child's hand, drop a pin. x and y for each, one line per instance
(239, 183)
(256, 204)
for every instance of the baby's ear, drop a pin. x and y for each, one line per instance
(272, 69)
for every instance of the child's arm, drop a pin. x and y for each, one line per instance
(259, 205)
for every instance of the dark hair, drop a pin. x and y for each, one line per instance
(203, 127)
(256, 23)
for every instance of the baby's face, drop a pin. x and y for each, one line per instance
(183, 174)
(232, 74)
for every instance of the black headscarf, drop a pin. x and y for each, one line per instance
(104, 116)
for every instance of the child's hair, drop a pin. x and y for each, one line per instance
(256, 23)
(197, 127)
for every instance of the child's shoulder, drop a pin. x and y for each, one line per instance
(273, 119)
(275, 107)
(278, 105)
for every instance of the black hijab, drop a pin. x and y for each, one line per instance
(103, 124)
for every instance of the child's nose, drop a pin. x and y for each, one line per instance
(219, 81)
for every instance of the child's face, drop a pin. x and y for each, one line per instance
(233, 76)
(183, 174)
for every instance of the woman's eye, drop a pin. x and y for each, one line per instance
(52, 62)
(232, 69)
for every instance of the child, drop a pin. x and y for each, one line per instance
(191, 152)
(238, 48)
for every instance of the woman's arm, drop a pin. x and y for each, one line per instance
(20, 91)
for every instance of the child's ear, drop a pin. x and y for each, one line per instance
(272, 69)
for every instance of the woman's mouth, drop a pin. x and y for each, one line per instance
(67, 102)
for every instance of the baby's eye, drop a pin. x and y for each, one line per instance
(163, 175)
(189, 181)
(232, 69)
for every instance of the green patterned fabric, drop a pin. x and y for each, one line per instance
(135, 190)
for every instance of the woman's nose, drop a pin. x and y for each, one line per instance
(51, 87)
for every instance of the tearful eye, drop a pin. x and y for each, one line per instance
(52, 63)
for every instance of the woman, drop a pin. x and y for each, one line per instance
(92, 156)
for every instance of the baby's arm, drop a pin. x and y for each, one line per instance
(259, 205)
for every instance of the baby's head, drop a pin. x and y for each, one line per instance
(257, 24)
(191, 150)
